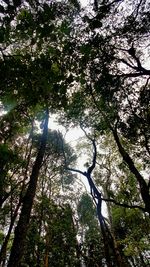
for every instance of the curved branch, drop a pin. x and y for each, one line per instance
(76, 170)
(91, 168)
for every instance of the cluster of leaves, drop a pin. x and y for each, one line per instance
(90, 68)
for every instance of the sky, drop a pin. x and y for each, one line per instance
(72, 137)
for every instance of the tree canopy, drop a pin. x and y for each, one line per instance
(89, 67)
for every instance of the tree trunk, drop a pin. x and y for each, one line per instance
(96, 195)
(22, 226)
(119, 259)
(5, 244)
(13, 219)
(144, 189)
(46, 250)
(109, 241)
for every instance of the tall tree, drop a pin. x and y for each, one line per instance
(34, 74)
(114, 83)
(22, 226)
(90, 65)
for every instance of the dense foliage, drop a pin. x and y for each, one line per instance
(88, 67)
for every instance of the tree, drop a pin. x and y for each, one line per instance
(53, 240)
(91, 248)
(27, 85)
(108, 99)
(86, 66)
(112, 253)
(22, 226)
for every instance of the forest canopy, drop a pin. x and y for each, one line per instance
(89, 67)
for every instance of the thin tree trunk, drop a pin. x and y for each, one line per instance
(4, 245)
(38, 254)
(144, 189)
(22, 226)
(119, 259)
(46, 250)
(14, 216)
(106, 242)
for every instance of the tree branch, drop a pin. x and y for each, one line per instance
(132, 75)
(76, 170)
(91, 168)
(123, 204)
(125, 62)
(143, 186)
(137, 10)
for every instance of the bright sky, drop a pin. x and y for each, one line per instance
(72, 137)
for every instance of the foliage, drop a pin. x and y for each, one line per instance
(89, 67)
(57, 242)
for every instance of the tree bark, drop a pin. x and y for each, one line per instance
(23, 223)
